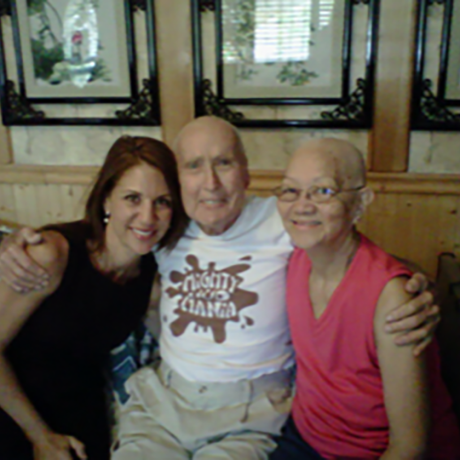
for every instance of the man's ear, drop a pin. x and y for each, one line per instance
(366, 197)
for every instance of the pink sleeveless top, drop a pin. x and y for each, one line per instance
(339, 406)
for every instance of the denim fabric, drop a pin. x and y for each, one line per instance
(291, 445)
(138, 350)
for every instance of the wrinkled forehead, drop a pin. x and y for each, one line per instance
(311, 166)
(207, 144)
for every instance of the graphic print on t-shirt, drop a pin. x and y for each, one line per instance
(209, 297)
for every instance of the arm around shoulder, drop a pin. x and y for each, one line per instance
(52, 255)
(405, 385)
(15, 308)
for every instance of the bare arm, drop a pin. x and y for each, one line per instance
(414, 321)
(15, 309)
(17, 269)
(405, 385)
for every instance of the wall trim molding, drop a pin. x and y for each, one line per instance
(402, 183)
(261, 181)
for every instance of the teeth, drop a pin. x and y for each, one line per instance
(141, 232)
(212, 201)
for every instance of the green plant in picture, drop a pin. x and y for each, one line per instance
(45, 58)
(295, 74)
(246, 73)
(101, 71)
(47, 46)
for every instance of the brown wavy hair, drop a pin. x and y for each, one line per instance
(124, 154)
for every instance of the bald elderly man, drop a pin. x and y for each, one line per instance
(223, 388)
(358, 396)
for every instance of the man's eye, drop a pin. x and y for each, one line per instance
(224, 162)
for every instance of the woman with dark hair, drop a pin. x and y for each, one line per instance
(55, 343)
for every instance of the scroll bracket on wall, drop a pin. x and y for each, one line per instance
(207, 5)
(212, 105)
(141, 108)
(18, 107)
(353, 108)
(139, 5)
(432, 109)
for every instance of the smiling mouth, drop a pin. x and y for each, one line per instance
(305, 224)
(144, 234)
(214, 202)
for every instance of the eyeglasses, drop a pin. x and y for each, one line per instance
(314, 193)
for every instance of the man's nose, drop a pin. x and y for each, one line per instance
(211, 178)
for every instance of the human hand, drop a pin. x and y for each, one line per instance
(56, 446)
(417, 318)
(17, 269)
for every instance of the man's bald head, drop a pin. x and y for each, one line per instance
(345, 159)
(213, 172)
(209, 130)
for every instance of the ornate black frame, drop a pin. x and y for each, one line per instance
(143, 106)
(353, 109)
(430, 109)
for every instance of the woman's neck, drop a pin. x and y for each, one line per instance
(329, 265)
(331, 262)
(118, 269)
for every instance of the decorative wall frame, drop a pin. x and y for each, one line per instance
(34, 90)
(436, 96)
(341, 95)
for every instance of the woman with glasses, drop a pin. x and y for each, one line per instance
(358, 396)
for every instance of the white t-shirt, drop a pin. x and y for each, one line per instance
(223, 311)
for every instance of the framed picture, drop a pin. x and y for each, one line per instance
(277, 63)
(78, 62)
(453, 58)
(436, 91)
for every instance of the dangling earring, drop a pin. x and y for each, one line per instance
(106, 217)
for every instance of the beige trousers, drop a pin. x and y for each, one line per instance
(170, 418)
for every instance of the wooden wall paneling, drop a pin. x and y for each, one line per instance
(7, 203)
(390, 136)
(415, 227)
(44, 198)
(174, 45)
(6, 155)
(26, 204)
(53, 207)
(79, 196)
(67, 203)
(413, 216)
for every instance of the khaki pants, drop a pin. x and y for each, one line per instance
(170, 418)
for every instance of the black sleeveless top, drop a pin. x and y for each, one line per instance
(60, 354)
